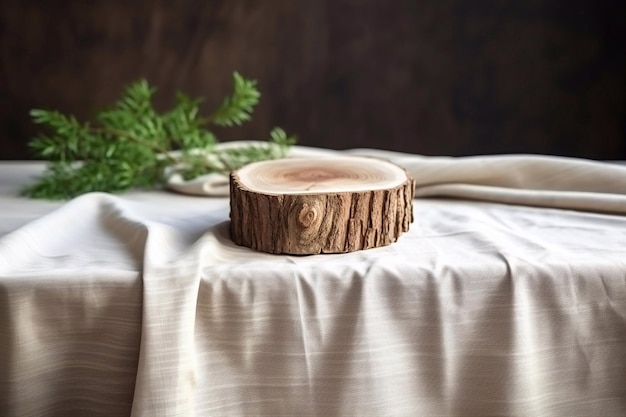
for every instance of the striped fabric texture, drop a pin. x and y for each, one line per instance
(506, 297)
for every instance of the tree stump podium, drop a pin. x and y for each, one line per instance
(323, 205)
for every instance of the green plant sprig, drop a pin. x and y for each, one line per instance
(131, 145)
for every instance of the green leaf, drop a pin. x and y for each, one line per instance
(130, 144)
(238, 107)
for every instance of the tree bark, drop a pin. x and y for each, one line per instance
(326, 205)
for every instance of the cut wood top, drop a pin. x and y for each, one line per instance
(305, 206)
(320, 175)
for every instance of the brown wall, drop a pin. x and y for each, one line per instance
(451, 77)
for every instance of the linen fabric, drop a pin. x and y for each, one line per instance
(533, 180)
(141, 305)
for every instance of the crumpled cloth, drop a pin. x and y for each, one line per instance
(532, 180)
(141, 304)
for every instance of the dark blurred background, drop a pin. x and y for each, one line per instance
(451, 77)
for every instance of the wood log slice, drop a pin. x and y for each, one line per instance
(324, 205)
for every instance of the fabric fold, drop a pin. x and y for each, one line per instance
(533, 180)
(142, 305)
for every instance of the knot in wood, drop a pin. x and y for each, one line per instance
(307, 215)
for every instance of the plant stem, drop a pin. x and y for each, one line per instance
(136, 139)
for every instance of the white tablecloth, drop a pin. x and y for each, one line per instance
(141, 305)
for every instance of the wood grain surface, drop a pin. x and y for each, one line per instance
(354, 208)
(435, 78)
